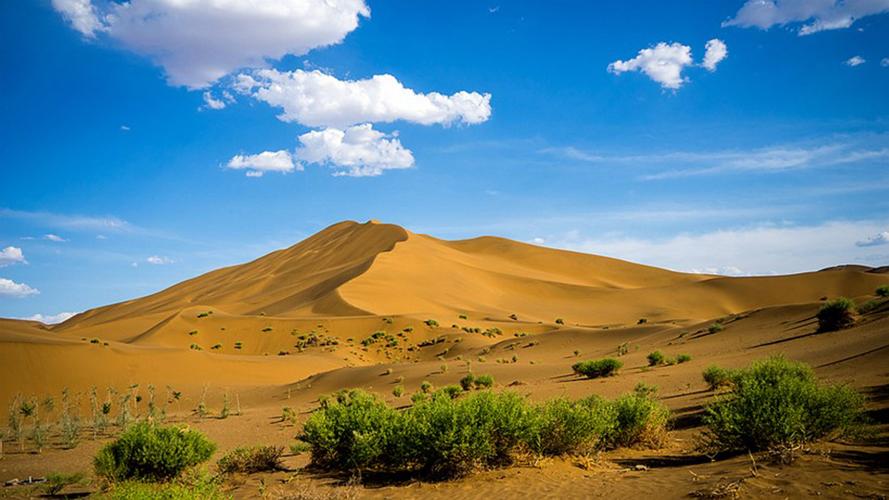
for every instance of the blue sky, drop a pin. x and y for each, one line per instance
(547, 125)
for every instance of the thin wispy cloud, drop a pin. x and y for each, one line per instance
(70, 222)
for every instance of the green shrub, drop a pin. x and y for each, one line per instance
(484, 382)
(655, 358)
(451, 391)
(467, 382)
(186, 488)
(869, 306)
(780, 403)
(718, 377)
(57, 481)
(150, 452)
(683, 358)
(638, 420)
(431, 323)
(836, 314)
(715, 327)
(398, 391)
(299, 447)
(426, 386)
(561, 426)
(597, 368)
(250, 460)
(882, 291)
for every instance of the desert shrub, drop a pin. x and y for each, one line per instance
(150, 452)
(882, 291)
(398, 391)
(451, 391)
(642, 321)
(644, 389)
(463, 316)
(560, 321)
(597, 368)
(868, 306)
(637, 420)
(250, 460)
(717, 377)
(683, 358)
(780, 403)
(836, 314)
(655, 358)
(426, 386)
(184, 488)
(715, 327)
(431, 323)
(484, 382)
(57, 481)
(562, 426)
(299, 447)
(467, 382)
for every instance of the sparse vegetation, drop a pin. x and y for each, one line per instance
(467, 382)
(431, 323)
(426, 387)
(560, 321)
(642, 321)
(56, 482)
(597, 368)
(147, 451)
(484, 382)
(717, 377)
(882, 291)
(779, 404)
(715, 327)
(683, 358)
(250, 460)
(836, 314)
(655, 358)
(398, 391)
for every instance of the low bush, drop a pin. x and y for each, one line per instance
(717, 377)
(398, 391)
(250, 460)
(185, 488)
(451, 391)
(57, 481)
(715, 327)
(655, 358)
(683, 358)
(484, 382)
(562, 426)
(147, 451)
(597, 368)
(777, 403)
(467, 382)
(638, 420)
(869, 306)
(882, 291)
(836, 314)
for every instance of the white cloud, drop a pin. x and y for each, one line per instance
(878, 239)
(855, 61)
(662, 63)
(54, 237)
(81, 14)
(317, 99)
(884, 62)
(818, 15)
(70, 222)
(764, 249)
(124, 128)
(199, 41)
(50, 319)
(12, 255)
(538, 241)
(716, 51)
(10, 288)
(267, 161)
(211, 102)
(158, 260)
(357, 151)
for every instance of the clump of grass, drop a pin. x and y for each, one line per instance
(836, 314)
(683, 358)
(642, 321)
(717, 377)
(299, 447)
(431, 323)
(463, 316)
(655, 358)
(250, 460)
(715, 327)
(189, 486)
(882, 291)
(484, 382)
(426, 387)
(58, 481)
(398, 391)
(597, 368)
(266, 329)
(150, 452)
(779, 404)
(467, 382)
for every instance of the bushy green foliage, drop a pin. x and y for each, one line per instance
(186, 488)
(252, 459)
(58, 481)
(467, 382)
(431, 323)
(147, 451)
(683, 358)
(655, 358)
(882, 291)
(718, 377)
(443, 436)
(451, 391)
(597, 368)
(869, 306)
(398, 391)
(484, 382)
(715, 327)
(780, 403)
(836, 314)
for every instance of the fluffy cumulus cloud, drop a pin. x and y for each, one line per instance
(878, 239)
(267, 161)
(50, 319)
(11, 255)
(662, 63)
(356, 151)
(317, 99)
(716, 51)
(10, 288)
(815, 15)
(855, 61)
(199, 41)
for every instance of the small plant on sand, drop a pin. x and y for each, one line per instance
(643, 389)
(642, 321)
(715, 327)
(778, 404)
(69, 421)
(444, 368)
(226, 407)
(655, 358)
(463, 316)
(250, 460)
(299, 447)
(58, 481)
(717, 377)
(597, 368)
(836, 314)
(431, 323)
(484, 382)
(239, 345)
(683, 358)
(398, 391)
(882, 291)
(560, 321)
(16, 426)
(151, 452)
(426, 387)
(639, 421)
(622, 349)
(450, 391)
(467, 382)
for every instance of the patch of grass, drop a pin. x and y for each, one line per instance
(836, 314)
(655, 358)
(869, 306)
(484, 382)
(642, 321)
(467, 382)
(715, 327)
(299, 447)
(882, 291)
(431, 323)
(186, 488)
(58, 481)
(717, 377)
(639, 420)
(426, 387)
(597, 368)
(560, 321)
(147, 451)
(778, 403)
(266, 329)
(250, 460)
(683, 358)
(398, 391)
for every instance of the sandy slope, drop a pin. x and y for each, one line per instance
(289, 327)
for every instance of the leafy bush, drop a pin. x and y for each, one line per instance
(185, 488)
(451, 391)
(561, 426)
(639, 420)
(718, 377)
(151, 452)
(882, 291)
(431, 323)
(398, 391)
(467, 382)
(869, 306)
(836, 314)
(57, 481)
(426, 386)
(715, 327)
(253, 459)
(683, 358)
(597, 368)
(484, 382)
(655, 358)
(780, 403)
